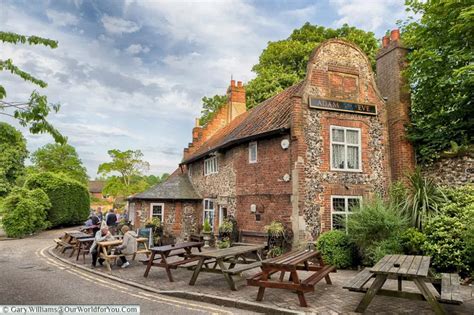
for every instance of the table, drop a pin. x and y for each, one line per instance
(83, 244)
(105, 247)
(233, 256)
(292, 262)
(181, 250)
(413, 268)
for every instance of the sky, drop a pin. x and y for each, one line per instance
(131, 74)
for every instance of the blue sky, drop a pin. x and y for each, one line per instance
(131, 74)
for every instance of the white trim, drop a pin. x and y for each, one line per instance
(346, 206)
(162, 210)
(251, 145)
(204, 210)
(345, 169)
(211, 166)
(221, 217)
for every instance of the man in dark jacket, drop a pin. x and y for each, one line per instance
(111, 220)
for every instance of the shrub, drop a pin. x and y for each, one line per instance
(337, 249)
(70, 202)
(376, 251)
(24, 212)
(206, 227)
(374, 222)
(412, 241)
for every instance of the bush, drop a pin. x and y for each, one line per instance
(447, 235)
(378, 250)
(24, 212)
(374, 222)
(70, 202)
(337, 249)
(412, 241)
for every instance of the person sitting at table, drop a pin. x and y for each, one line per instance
(129, 245)
(102, 235)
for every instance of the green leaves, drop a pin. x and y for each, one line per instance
(13, 38)
(210, 106)
(12, 156)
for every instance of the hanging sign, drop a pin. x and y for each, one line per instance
(342, 106)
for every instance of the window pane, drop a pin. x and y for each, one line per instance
(338, 135)
(352, 136)
(338, 221)
(338, 156)
(353, 203)
(338, 204)
(211, 204)
(352, 157)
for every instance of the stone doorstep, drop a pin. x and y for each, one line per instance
(201, 297)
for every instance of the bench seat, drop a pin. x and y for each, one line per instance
(450, 291)
(315, 278)
(357, 283)
(60, 242)
(175, 264)
(243, 267)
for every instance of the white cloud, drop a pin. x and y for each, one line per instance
(136, 49)
(61, 18)
(117, 25)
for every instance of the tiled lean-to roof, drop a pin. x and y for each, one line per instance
(96, 186)
(268, 117)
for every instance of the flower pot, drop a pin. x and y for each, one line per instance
(207, 238)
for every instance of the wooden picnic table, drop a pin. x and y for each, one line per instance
(183, 250)
(83, 245)
(292, 262)
(402, 267)
(233, 256)
(69, 240)
(105, 247)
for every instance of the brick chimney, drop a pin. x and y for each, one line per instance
(235, 100)
(391, 61)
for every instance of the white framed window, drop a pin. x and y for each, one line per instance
(208, 211)
(253, 152)
(341, 208)
(157, 210)
(346, 153)
(222, 214)
(210, 166)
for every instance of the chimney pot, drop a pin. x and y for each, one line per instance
(239, 83)
(395, 35)
(385, 41)
(197, 124)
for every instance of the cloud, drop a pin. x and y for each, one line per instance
(61, 18)
(117, 25)
(136, 49)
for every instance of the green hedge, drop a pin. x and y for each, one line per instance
(70, 201)
(24, 212)
(337, 249)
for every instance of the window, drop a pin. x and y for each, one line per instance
(345, 149)
(210, 166)
(253, 152)
(341, 208)
(157, 210)
(209, 211)
(222, 214)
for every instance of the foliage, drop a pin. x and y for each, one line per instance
(153, 180)
(468, 237)
(70, 201)
(275, 229)
(283, 63)
(33, 112)
(12, 157)
(206, 227)
(440, 74)
(275, 252)
(60, 158)
(226, 227)
(378, 250)
(224, 243)
(374, 222)
(210, 106)
(24, 212)
(337, 249)
(114, 186)
(418, 199)
(412, 241)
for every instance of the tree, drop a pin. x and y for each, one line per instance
(33, 112)
(12, 157)
(153, 180)
(210, 106)
(441, 75)
(129, 165)
(60, 158)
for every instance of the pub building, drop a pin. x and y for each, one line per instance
(304, 157)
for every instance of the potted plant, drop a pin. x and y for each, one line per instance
(225, 232)
(156, 228)
(206, 232)
(277, 238)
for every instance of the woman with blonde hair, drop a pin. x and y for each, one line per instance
(129, 245)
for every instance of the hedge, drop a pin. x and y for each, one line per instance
(337, 249)
(70, 201)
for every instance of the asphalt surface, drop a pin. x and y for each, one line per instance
(28, 275)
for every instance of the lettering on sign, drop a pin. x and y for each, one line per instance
(342, 106)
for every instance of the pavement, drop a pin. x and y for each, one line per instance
(212, 288)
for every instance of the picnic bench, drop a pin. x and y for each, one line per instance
(69, 240)
(405, 267)
(160, 254)
(83, 246)
(291, 262)
(105, 250)
(233, 256)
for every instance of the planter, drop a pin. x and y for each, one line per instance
(207, 238)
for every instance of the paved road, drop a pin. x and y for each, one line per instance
(28, 275)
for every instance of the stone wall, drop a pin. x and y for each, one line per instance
(456, 171)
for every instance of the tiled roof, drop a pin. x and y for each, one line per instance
(96, 186)
(177, 186)
(267, 117)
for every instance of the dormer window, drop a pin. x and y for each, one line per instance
(210, 166)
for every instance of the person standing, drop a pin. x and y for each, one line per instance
(111, 220)
(129, 245)
(102, 235)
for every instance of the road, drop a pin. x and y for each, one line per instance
(28, 275)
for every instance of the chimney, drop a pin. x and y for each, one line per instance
(235, 100)
(391, 61)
